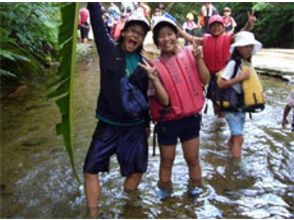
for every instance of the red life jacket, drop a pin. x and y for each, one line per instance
(118, 29)
(84, 15)
(216, 51)
(180, 77)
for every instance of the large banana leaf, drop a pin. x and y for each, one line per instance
(65, 84)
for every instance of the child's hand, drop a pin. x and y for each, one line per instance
(151, 71)
(244, 74)
(251, 18)
(197, 52)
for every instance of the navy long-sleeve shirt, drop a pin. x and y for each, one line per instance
(113, 68)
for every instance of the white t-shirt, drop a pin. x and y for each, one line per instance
(228, 73)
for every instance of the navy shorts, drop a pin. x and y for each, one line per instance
(128, 143)
(185, 129)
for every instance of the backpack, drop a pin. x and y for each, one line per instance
(133, 100)
(228, 99)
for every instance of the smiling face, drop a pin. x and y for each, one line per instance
(167, 40)
(227, 13)
(245, 51)
(216, 29)
(133, 38)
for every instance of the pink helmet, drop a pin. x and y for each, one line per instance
(216, 18)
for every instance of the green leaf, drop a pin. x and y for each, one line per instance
(61, 89)
(13, 56)
(7, 73)
(65, 83)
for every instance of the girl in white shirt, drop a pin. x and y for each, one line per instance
(243, 49)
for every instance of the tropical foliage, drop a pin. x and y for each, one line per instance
(28, 38)
(65, 83)
(31, 36)
(276, 24)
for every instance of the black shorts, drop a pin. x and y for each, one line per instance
(84, 30)
(185, 129)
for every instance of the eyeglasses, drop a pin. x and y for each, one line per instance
(136, 32)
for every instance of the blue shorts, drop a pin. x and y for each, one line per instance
(236, 121)
(128, 143)
(186, 129)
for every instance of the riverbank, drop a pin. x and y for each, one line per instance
(275, 62)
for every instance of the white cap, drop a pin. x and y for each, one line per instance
(161, 19)
(244, 38)
(138, 17)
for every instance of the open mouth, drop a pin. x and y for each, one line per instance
(132, 44)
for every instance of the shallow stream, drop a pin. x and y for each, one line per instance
(37, 182)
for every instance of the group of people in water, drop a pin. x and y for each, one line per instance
(173, 85)
(200, 26)
(115, 18)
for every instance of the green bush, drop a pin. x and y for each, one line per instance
(29, 38)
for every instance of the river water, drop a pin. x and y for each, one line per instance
(37, 182)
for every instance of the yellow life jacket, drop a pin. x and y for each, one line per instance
(254, 99)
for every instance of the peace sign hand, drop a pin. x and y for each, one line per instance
(151, 70)
(197, 52)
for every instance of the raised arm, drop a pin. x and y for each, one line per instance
(250, 22)
(190, 38)
(103, 41)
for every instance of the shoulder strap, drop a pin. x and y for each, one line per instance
(236, 67)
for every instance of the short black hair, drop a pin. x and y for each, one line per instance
(237, 56)
(161, 25)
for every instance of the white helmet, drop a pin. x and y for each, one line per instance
(137, 17)
(161, 19)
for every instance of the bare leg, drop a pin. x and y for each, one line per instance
(236, 147)
(92, 190)
(85, 40)
(131, 183)
(167, 157)
(191, 154)
(230, 143)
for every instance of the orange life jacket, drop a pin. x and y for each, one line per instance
(180, 77)
(216, 51)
